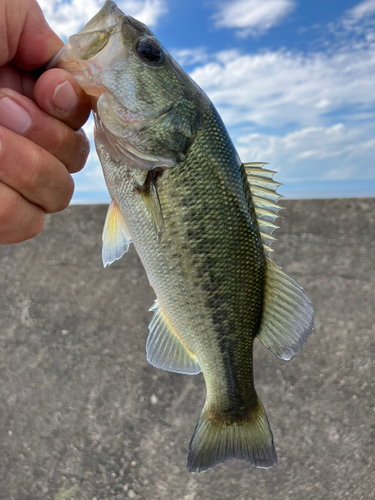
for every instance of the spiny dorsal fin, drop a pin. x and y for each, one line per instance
(165, 348)
(116, 237)
(288, 316)
(265, 197)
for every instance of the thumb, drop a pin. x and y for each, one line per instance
(24, 33)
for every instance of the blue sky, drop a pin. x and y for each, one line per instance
(294, 81)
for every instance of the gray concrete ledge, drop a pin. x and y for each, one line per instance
(79, 402)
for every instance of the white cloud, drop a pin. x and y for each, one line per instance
(338, 152)
(279, 88)
(68, 17)
(252, 17)
(186, 57)
(362, 10)
(325, 98)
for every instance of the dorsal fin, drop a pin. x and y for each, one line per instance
(265, 197)
(165, 348)
(288, 316)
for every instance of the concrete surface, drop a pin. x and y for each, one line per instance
(79, 402)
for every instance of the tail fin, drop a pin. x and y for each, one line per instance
(214, 442)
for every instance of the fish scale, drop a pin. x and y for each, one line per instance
(201, 222)
(229, 267)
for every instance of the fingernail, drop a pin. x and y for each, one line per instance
(13, 116)
(65, 97)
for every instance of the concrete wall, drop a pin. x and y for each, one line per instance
(78, 400)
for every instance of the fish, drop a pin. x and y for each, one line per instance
(201, 222)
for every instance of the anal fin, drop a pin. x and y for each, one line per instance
(288, 316)
(165, 348)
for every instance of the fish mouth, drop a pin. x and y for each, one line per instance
(75, 58)
(96, 46)
(85, 72)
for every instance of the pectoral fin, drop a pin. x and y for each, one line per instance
(116, 237)
(149, 192)
(165, 348)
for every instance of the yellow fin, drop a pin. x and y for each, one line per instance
(165, 348)
(116, 237)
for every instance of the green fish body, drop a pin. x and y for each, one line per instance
(200, 221)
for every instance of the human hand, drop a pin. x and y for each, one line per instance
(41, 143)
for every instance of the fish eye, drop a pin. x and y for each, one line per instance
(150, 50)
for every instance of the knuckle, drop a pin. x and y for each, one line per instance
(18, 222)
(47, 174)
(36, 225)
(21, 161)
(33, 228)
(58, 139)
(65, 195)
(71, 147)
(83, 150)
(9, 205)
(34, 172)
(79, 152)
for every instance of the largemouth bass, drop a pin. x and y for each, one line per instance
(201, 222)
